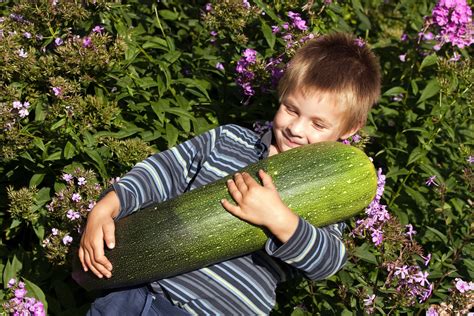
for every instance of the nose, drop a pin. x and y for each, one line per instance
(296, 128)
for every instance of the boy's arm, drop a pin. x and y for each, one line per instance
(157, 178)
(317, 252)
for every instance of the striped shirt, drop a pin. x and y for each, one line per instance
(244, 285)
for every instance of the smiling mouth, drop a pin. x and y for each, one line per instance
(290, 142)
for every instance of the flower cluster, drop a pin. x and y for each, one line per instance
(377, 215)
(398, 250)
(18, 303)
(454, 19)
(251, 68)
(68, 210)
(459, 302)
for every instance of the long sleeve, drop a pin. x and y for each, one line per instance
(163, 175)
(317, 252)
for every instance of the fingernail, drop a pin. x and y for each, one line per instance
(111, 245)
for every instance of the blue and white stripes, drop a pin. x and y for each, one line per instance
(244, 285)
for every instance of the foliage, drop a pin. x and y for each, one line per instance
(87, 89)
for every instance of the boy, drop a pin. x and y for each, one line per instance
(325, 95)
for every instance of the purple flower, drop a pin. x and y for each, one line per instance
(421, 277)
(55, 231)
(26, 105)
(359, 42)
(208, 7)
(462, 286)
(402, 57)
(369, 300)
(219, 66)
(27, 35)
(81, 181)
(248, 90)
(98, 29)
(17, 105)
(402, 271)
(455, 57)
(246, 4)
(297, 21)
(377, 236)
(431, 312)
(275, 29)
(73, 215)
(67, 177)
(431, 181)
(404, 37)
(22, 53)
(57, 91)
(346, 142)
(213, 33)
(23, 113)
(20, 293)
(91, 205)
(470, 159)
(356, 138)
(250, 55)
(11, 283)
(58, 41)
(67, 240)
(76, 197)
(410, 231)
(427, 259)
(86, 42)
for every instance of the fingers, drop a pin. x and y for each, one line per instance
(233, 209)
(266, 179)
(81, 258)
(109, 235)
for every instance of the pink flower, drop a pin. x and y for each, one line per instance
(23, 113)
(98, 29)
(431, 312)
(369, 300)
(421, 277)
(462, 286)
(57, 91)
(20, 293)
(55, 231)
(11, 283)
(58, 41)
(402, 57)
(67, 240)
(22, 53)
(76, 197)
(359, 42)
(219, 66)
(67, 177)
(73, 215)
(431, 181)
(402, 271)
(81, 181)
(17, 105)
(86, 42)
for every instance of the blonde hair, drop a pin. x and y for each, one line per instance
(340, 64)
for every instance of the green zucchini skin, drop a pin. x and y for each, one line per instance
(324, 183)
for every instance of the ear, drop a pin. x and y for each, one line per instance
(351, 132)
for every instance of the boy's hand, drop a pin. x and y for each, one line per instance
(100, 227)
(261, 205)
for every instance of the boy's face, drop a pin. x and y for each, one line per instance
(307, 119)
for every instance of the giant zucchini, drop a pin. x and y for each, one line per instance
(324, 183)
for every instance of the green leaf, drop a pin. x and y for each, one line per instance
(439, 234)
(58, 124)
(416, 195)
(394, 91)
(39, 231)
(363, 253)
(36, 179)
(54, 156)
(431, 89)
(38, 142)
(11, 271)
(171, 135)
(268, 34)
(416, 155)
(69, 150)
(429, 61)
(98, 162)
(168, 15)
(40, 113)
(36, 292)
